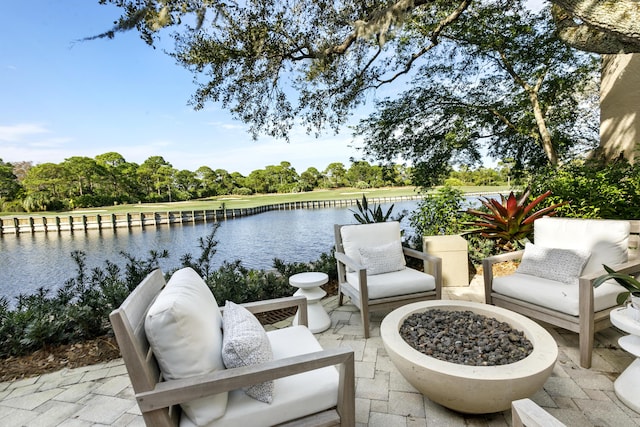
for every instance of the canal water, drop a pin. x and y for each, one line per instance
(31, 261)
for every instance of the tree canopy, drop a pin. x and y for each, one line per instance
(499, 84)
(275, 64)
(332, 52)
(109, 179)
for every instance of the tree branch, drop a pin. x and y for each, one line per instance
(435, 34)
(377, 23)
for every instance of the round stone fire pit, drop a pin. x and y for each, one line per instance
(471, 389)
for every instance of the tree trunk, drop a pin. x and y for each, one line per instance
(619, 102)
(545, 136)
(599, 26)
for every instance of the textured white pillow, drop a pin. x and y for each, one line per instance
(561, 265)
(383, 259)
(245, 343)
(184, 329)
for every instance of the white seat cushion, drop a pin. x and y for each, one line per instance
(184, 328)
(554, 295)
(606, 240)
(402, 282)
(294, 396)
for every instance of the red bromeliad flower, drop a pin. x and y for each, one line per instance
(509, 220)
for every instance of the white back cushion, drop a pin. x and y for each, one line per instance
(359, 236)
(184, 328)
(606, 240)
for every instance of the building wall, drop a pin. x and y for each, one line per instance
(620, 106)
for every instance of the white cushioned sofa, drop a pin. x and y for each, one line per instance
(192, 365)
(554, 281)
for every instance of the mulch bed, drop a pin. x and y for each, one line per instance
(53, 359)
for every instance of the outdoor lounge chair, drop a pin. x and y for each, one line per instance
(372, 269)
(554, 282)
(173, 346)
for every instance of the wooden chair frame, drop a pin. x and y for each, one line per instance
(432, 265)
(159, 399)
(588, 322)
(526, 413)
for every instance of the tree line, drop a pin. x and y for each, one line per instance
(107, 179)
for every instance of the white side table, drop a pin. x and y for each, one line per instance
(309, 286)
(627, 386)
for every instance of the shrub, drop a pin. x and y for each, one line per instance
(595, 190)
(242, 191)
(437, 214)
(207, 247)
(79, 310)
(12, 206)
(325, 264)
(369, 215)
(453, 182)
(510, 221)
(443, 213)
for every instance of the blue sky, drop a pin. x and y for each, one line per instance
(61, 98)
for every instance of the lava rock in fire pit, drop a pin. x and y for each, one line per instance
(465, 337)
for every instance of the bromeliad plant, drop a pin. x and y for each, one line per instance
(510, 220)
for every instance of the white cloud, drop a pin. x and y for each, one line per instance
(20, 132)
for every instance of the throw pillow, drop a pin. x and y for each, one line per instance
(561, 265)
(383, 259)
(245, 343)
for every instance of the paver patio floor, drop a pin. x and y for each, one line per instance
(101, 394)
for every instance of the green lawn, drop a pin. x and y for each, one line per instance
(237, 202)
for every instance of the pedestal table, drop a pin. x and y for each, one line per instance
(627, 386)
(308, 285)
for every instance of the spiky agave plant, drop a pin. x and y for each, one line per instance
(368, 215)
(509, 220)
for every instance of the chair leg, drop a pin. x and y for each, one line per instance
(364, 312)
(586, 349)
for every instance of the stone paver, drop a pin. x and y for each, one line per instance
(101, 395)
